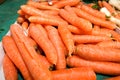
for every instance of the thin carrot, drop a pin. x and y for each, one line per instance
(20, 19)
(95, 20)
(67, 37)
(109, 7)
(25, 25)
(113, 78)
(93, 12)
(74, 29)
(36, 68)
(14, 54)
(41, 6)
(61, 4)
(94, 52)
(42, 20)
(108, 68)
(9, 69)
(90, 38)
(44, 43)
(100, 3)
(57, 42)
(81, 23)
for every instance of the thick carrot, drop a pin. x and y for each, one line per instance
(82, 73)
(109, 44)
(93, 12)
(51, 12)
(44, 43)
(90, 38)
(94, 52)
(9, 69)
(67, 37)
(14, 54)
(108, 68)
(57, 42)
(42, 20)
(109, 7)
(74, 29)
(61, 4)
(81, 23)
(113, 78)
(94, 20)
(36, 68)
(41, 6)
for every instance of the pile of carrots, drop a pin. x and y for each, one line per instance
(68, 40)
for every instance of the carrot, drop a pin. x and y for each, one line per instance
(100, 3)
(9, 69)
(20, 12)
(20, 19)
(108, 68)
(41, 6)
(94, 52)
(81, 73)
(42, 20)
(109, 44)
(93, 12)
(109, 7)
(81, 23)
(14, 54)
(44, 43)
(51, 12)
(25, 25)
(113, 78)
(67, 37)
(90, 38)
(95, 20)
(59, 46)
(36, 68)
(61, 4)
(74, 29)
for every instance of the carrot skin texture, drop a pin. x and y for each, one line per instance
(14, 54)
(74, 74)
(113, 78)
(95, 52)
(9, 69)
(108, 68)
(67, 38)
(44, 43)
(57, 42)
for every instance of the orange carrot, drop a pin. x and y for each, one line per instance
(9, 69)
(67, 37)
(41, 6)
(36, 68)
(20, 12)
(61, 4)
(81, 23)
(95, 20)
(100, 3)
(82, 73)
(109, 7)
(108, 68)
(20, 19)
(94, 52)
(113, 78)
(14, 54)
(51, 12)
(42, 20)
(74, 29)
(57, 42)
(90, 38)
(93, 12)
(44, 43)
(109, 44)
(25, 25)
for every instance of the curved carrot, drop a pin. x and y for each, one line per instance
(44, 43)
(81, 23)
(90, 38)
(14, 54)
(63, 3)
(93, 12)
(95, 20)
(57, 42)
(94, 52)
(82, 73)
(9, 69)
(108, 68)
(67, 37)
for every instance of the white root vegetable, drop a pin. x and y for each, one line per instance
(115, 3)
